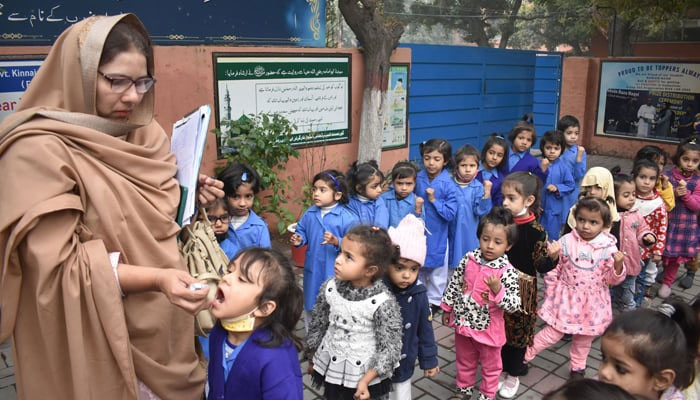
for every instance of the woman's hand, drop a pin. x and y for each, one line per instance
(173, 283)
(209, 189)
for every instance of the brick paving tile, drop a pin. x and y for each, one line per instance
(547, 371)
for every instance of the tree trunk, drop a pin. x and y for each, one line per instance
(378, 37)
(622, 46)
(508, 27)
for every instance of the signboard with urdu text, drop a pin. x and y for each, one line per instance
(311, 91)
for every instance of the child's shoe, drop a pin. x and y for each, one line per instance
(664, 291)
(483, 397)
(577, 375)
(687, 281)
(509, 388)
(463, 394)
(501, 378)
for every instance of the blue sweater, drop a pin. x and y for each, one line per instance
(253, 232)
(528, 163)
(462, 229)
(373, 212)
(437, 214)
(555, 205)
(399, 208)
(320, 258)
(418, 337)
(258, 372)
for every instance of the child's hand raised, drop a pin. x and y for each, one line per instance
(328, 238)
(579, 153)
(295, 239)
(649, 239)
(430, 192)
(544, 164)
(664, 182)
(431, 372)
(553, 250)
(682, 188)
(419, 204)
(494, 283)
(487, 186)
(618, 256)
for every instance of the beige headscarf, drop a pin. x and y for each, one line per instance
(598, 176)
(72, 192)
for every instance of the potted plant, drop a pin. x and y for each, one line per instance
(263, 141)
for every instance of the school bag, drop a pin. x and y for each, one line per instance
(205, 260)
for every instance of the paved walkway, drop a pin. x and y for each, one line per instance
(548, 371)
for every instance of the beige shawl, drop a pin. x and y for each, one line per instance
(71, 193)
(598, 176)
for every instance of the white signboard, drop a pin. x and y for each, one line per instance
(15, 76)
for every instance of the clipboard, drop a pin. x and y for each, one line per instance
(187, 143)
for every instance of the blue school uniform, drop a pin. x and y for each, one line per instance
(372, 212)
(257, 372)
(418, 338)
(399, 208)
(253, 232)
(496, 177)
(555, 205)
(525, 162)
(320, 258)
(578, 170)
(462, 229)
(437, 214)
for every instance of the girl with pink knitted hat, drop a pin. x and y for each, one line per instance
(402, 280)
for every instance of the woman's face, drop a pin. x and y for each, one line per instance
(119, 106)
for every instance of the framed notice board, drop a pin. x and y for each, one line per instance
(310, 90)
(650, 100)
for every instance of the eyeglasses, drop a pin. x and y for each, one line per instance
(121, 84)
(223, 218)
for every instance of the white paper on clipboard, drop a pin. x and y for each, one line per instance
(187, 143)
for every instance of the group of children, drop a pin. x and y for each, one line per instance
(469, 235)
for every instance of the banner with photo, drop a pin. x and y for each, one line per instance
(395, 129)
(648, 100)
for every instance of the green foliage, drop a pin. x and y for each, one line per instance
(263, 141)
(550, 23)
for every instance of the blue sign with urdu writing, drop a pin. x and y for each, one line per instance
(177, 22)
